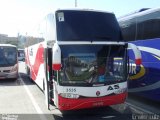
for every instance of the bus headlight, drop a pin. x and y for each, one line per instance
(69, 95)
(15, 68)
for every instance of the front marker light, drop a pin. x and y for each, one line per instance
(14, 68)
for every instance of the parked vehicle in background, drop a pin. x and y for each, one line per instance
(21, 55)
(8, 61)
(142, 28)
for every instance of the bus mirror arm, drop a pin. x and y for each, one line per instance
(128, 67)
(137, 53)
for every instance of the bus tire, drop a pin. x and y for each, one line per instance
(28, 73)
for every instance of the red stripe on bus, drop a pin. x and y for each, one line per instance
(39, 59)
(82, 103)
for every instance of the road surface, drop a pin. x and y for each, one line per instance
(22, 99)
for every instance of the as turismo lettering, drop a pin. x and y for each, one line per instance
(113, 87)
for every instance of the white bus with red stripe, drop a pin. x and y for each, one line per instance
(79, 59)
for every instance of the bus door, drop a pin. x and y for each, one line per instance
(48, 84)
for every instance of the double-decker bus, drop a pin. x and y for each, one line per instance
(143, 29)
(8, 61)
(78, 58)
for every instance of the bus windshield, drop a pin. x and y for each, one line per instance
(90, 65)
(87, 26)
(8, 56)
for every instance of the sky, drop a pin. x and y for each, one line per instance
(19, 16)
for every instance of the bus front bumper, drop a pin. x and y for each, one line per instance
(9, 75)
(82, 103)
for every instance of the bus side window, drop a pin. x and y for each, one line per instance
(129, 30)
(148, 26)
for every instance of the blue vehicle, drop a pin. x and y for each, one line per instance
(143, 29)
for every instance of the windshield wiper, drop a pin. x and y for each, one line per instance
(74, 39)
(102, 37)
(94, 38)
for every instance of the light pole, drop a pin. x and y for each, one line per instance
(75, 3)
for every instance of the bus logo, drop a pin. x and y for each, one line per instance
(116, 86)
(136, 72)
(98, 93)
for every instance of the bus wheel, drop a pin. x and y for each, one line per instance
(27, 70)
(28, 74)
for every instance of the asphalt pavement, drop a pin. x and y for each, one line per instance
(22, 99)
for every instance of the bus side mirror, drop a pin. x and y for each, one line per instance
(56, 57)
(137, 53)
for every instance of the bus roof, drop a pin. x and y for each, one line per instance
(7, 45)
(138, 14)
(20, 49)
(82, 9)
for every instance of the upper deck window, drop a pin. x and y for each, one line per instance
(87, 26)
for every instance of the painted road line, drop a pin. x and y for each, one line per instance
(38, 109)
(139, 108)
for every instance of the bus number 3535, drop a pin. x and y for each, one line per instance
(70, 89)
